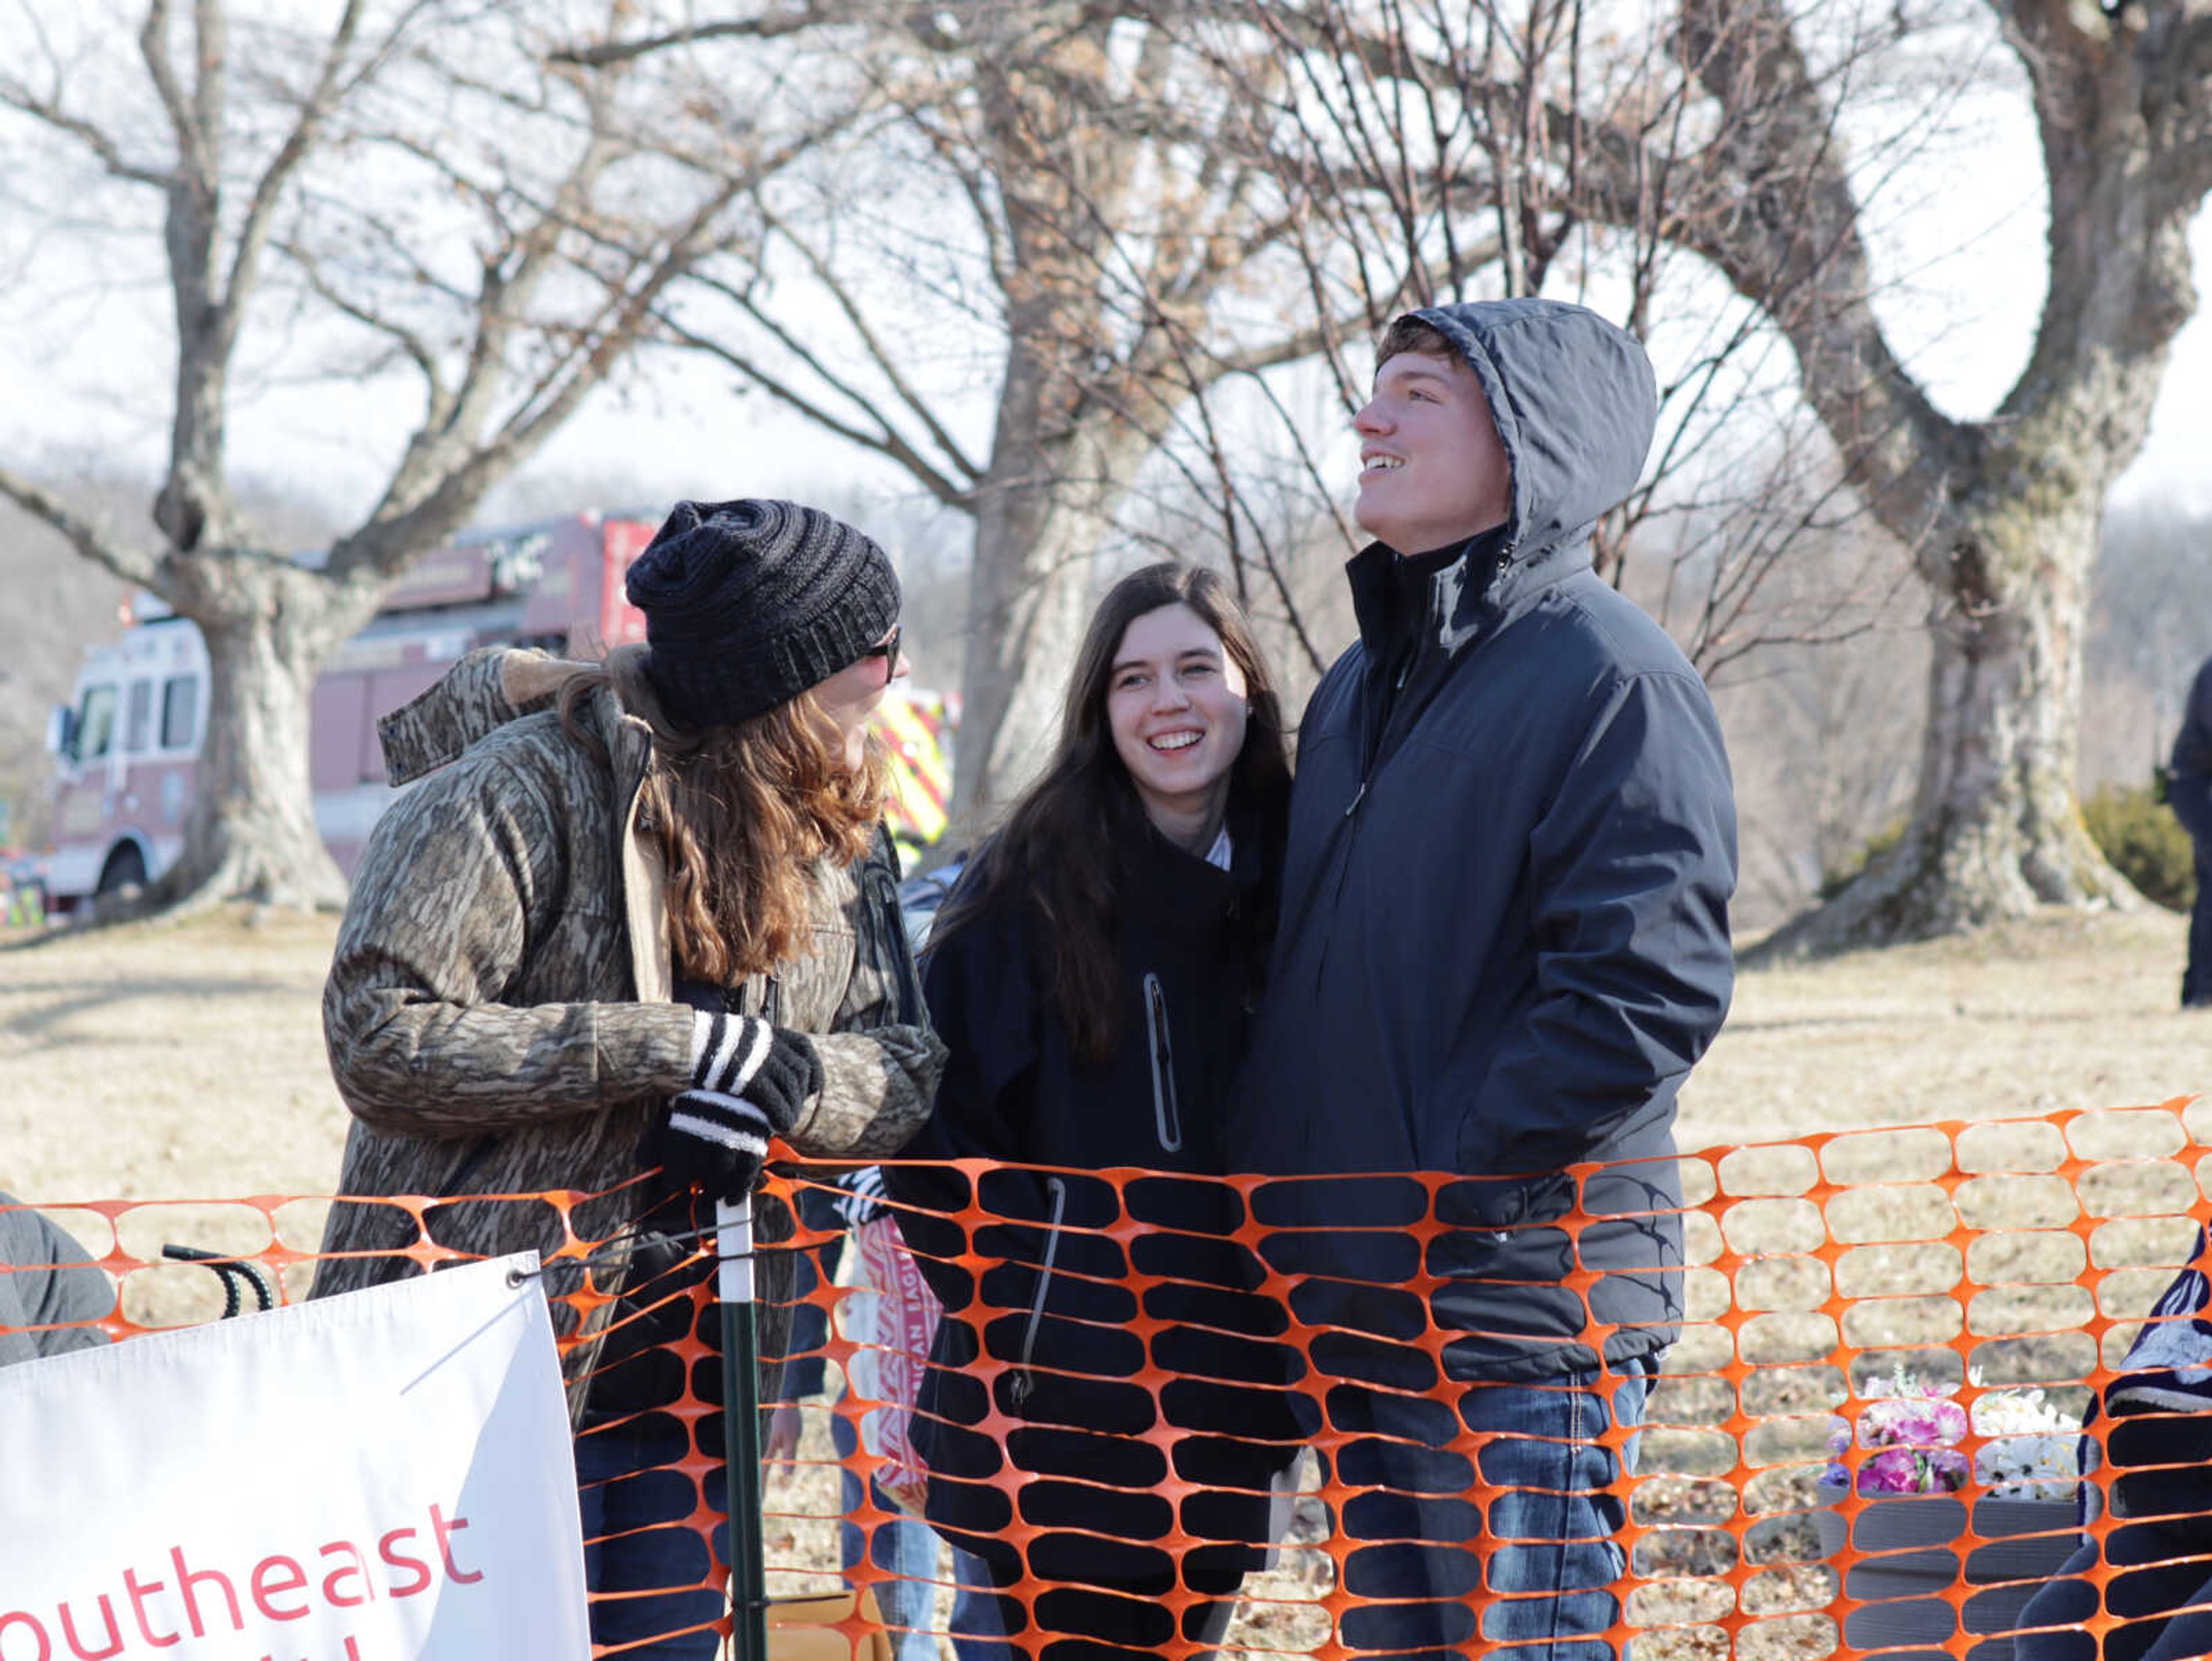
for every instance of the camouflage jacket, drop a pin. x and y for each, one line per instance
(499, 1011)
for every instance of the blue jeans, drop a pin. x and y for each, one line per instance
(905, 1548)
(640, 1539)
(1531, 1505)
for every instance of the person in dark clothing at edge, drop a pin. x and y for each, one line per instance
(2189, 793)
(1504, 943)
(2151, 1572)
(1092, 977)
(52, 1297)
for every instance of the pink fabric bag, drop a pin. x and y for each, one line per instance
(890, 1315)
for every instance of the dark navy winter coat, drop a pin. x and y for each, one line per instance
(1504, 936)
(2193, 745)
(1054, 1298)
(2189, 793)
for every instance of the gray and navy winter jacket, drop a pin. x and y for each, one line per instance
(1504, 935)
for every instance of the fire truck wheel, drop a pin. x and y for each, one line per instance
(126, 869)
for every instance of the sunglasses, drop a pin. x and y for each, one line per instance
(888, 650)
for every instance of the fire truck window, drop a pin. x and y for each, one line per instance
(95, 723)
(138, 729)
(181, 710)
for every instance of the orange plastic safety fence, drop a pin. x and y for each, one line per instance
(1927, 1308)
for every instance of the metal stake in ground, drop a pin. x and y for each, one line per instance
(741, 1450)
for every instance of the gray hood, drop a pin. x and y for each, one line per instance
(1576, 404)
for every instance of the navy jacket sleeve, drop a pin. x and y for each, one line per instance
(1633, 866)
(2193, 745)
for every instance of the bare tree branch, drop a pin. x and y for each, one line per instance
(878, 354)
(299, 143)
(606, 54)
(883, 440)
(409, 341)
(94, 544)
(193, 159)
(17, 96)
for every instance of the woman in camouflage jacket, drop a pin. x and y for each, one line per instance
(642, 914)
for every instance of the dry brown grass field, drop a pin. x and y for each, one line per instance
(184, 1063)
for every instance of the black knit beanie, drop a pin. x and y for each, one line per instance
(748, 603)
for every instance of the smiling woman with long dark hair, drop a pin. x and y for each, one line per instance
(1092, 977)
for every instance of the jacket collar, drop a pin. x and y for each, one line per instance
(1178, 892)
(1452, 596)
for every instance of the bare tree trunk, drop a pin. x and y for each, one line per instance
(1065, 446)
(1995, 830)
(2004, 514)
(1045, 509)
(1025, 602)
(251, 830)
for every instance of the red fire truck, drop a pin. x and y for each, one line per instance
(126, 748)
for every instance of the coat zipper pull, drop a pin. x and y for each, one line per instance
(1025, 1380)
(1167, 1116)
(1357, 797)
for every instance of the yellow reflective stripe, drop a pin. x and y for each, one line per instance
(921, 774)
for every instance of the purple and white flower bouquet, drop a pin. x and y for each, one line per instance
(1912, 1428)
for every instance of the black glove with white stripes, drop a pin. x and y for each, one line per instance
(712, 1142)
(773, 1068)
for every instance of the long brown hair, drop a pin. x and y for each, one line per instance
(1056, 850)
(741, 814)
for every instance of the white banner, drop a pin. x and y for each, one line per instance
(381, 1477)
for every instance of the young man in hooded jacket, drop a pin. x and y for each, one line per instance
(1504, 943)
